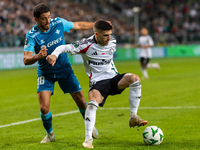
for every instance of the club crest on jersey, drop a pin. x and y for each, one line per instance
(57, 31)
(111, 51)
(42, 41)
(76, 44)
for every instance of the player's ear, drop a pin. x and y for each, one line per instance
(96, 34)
(36, 19)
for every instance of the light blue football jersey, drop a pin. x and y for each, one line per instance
(53, 38)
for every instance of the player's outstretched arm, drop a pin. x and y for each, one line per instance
(135, 45)
(82, 25)
(30, 59)
(60, 49)
(145, 47)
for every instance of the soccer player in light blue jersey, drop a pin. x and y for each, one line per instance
(42, 39)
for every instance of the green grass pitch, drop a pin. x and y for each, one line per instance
(170, 100)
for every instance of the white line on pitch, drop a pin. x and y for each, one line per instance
(31, 120)
(112, 108)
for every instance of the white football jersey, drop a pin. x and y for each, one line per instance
(146, 41)
(98, 60)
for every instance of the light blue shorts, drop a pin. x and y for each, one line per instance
(68, 82)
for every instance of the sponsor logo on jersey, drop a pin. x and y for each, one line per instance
(95, 53)
(58, 40)
(57, 31)
(102, 62)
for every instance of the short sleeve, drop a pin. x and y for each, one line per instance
(151, 41)
(68, 25)
(139, 41)
(29, 44)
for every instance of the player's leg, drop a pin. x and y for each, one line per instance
(132, 81)
(46, 116)
(45, 88)
(79, 99)
(95, 98)
(70, 84)
(143, 67)
(82, 105)
(153, 65)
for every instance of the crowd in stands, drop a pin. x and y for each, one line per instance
(168, 21)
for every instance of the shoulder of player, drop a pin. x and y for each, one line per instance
(55, 21)
(34, 31)
(87, 41)
(145, 36)
(148, 36)
(82, 43)
(113, 40)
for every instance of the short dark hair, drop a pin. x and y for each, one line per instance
(39, 9)
(102, 25)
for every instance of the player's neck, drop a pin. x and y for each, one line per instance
(41, 29)
(97, 41)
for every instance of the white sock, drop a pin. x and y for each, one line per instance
(134, 97)
(90, 117)
(152, 65)
(144, 72)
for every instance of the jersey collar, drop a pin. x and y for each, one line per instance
(95, 39)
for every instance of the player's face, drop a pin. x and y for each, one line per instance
(43, 22)
(103, 37)
(144, 31)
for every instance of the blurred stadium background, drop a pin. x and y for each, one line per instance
(170, 98)
(169, 23)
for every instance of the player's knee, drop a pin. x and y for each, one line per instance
(44, 109)
(136, 78)
(144, 66)
(79, 99)
(93, 105)
(132, 78)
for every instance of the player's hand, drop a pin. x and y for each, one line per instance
(144, 47)
(42, 53)
(51, 59)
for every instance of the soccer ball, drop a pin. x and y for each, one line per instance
(152, 135)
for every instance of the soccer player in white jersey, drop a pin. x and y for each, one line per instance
(97, 53)
(146, 42)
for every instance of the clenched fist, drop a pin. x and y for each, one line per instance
(42, 53)
(51, 59)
